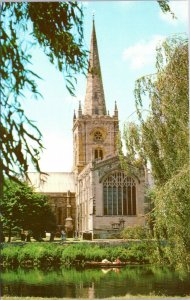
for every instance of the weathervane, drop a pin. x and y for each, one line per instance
(93, 15)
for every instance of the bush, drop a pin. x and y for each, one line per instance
(117, 252)
(48, 254)
(95, 253)
(40, 254)
(73, 253)
(27, 254)
(9, 255)
(136, 232)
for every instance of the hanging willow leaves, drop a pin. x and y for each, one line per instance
(57, 27)
(165, 131)
(171, 215)
(161, 138)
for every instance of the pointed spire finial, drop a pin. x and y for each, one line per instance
(74, 116)
(79, 110)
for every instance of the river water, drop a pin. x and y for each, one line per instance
(95, 283)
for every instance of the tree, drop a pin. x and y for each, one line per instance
(162, 140)
(22, 208)
(57, 27)
(165, 131)
(171, 214)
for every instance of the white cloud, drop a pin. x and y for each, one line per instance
(143, 53)
(180, 9)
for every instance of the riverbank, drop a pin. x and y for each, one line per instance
(63, 254)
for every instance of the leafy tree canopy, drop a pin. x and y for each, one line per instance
(57, 27)
(22, 208)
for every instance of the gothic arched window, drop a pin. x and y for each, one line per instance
(119, 193)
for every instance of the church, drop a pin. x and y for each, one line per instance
(98, 198)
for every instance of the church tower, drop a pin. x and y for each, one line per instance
(94, 130)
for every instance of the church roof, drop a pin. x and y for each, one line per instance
(58, 182)
(94, 100)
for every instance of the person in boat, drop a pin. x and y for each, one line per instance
(117, 261)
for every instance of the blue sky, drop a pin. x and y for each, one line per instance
(127, 34)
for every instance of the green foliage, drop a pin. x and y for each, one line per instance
(136, 232)
(62, 36)
(165, 131)
(50, 254)
(9, 255)
(162, 140)
(82, 252)
(164, 5)
(133, 252)
(23, 208)
(117, 252)
(172, 211)
(95, 253)
(39, 254)
(135, 161)
(58, 28)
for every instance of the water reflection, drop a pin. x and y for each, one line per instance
(94, 283)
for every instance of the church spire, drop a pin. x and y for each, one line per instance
(94, 100)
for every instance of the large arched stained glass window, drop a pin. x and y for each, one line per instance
(119, 192)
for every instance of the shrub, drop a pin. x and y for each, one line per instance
(27, 254)
(40, 254)
(95, 253)
(49, 254)
(9, 255)
(117, 252)
(72, 253)
(141, 252)
(136, 232)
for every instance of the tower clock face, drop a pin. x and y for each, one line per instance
(98, 137)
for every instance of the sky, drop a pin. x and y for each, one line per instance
(127, 35)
